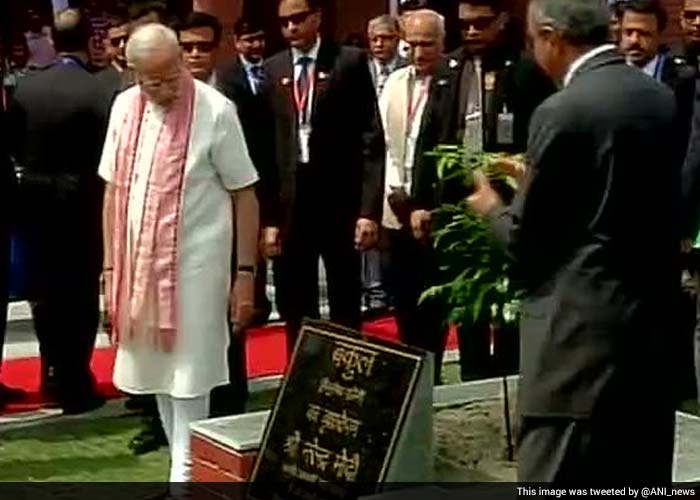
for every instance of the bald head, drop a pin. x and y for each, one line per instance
(153, 52)
(426, 21)
(152, 41)
(425, 34)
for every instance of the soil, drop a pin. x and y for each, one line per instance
(471, 442)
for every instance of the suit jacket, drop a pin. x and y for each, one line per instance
(519, 86)
(253, 113)
(680, 74)
(346, 144)
(57, 120)
(7, 182)
(401, 62)
(593, 231)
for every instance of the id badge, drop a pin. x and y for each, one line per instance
(504, 129)
(304, 138)
(474, 132)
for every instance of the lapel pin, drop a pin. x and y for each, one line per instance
(442, 82)
(322, 75)
(286, 81)
(453, 63)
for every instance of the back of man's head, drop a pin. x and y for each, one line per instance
(582, 23)
(70, 31)
(148, 11)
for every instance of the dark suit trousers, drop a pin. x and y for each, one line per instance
(624, 446)
(66, 317)
(412, 270)
(318, 228)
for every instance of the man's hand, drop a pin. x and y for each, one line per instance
(485, 198)
(271, 244)
(242, 301)
(366, 234)
(511, 166)
(687, 245)
(420, 224)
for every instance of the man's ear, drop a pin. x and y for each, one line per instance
(503, 20)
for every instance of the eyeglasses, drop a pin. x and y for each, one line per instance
(117, 41)
(157, 83)
(200, 46)
(691, 15)
(478, 23)
(298, 18)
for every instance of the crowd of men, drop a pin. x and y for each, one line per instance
(192, 174)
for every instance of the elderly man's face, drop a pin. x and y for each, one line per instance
(425, 42)
(383, 43)
(690, 22)
(640, 37)
(481, 26)
(159, 77)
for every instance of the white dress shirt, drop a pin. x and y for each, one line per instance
(304, 136)
(652, 67)
(584, 59)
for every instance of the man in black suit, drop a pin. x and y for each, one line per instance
(494, 91)
(323, 195)
(241, 81)
(7, 208)
(602, 170)
(57, 118)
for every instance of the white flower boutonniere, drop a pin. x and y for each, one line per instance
(286, 81)
(453, 63)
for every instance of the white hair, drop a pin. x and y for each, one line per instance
(149, 39)
(435, 17)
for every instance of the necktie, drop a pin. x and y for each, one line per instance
(303, 87)
(473, 130)
(258, 74)
(382, 78)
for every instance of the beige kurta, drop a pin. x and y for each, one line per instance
(217, 162)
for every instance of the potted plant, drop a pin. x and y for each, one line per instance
(475, 283)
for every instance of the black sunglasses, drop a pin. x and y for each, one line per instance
(298, 18)
(200, 46)
(478, 23)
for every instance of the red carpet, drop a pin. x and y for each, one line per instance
(266, 352)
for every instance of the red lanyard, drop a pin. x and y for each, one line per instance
(414, 107)
(302, 100)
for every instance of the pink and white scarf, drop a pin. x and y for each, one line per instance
(155, 258)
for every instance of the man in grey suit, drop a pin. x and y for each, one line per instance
(602, 173)
(383, 33)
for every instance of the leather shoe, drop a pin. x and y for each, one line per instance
(9, 395)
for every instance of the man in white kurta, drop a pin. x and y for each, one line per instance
(217, 164)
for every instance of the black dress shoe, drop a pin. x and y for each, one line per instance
(83, 405)
(151, 438)
(10, 395)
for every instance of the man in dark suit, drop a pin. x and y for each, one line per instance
(7, 208)
(60, 197)
(494, 91)
(241, 81)
(116, 77)
(323, 195)
(595, 312)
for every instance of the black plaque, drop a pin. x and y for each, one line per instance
(337, 418)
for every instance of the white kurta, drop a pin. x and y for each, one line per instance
(217, 163)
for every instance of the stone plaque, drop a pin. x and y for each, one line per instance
(338, 417)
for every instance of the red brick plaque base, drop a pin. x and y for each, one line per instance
(215, 463)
